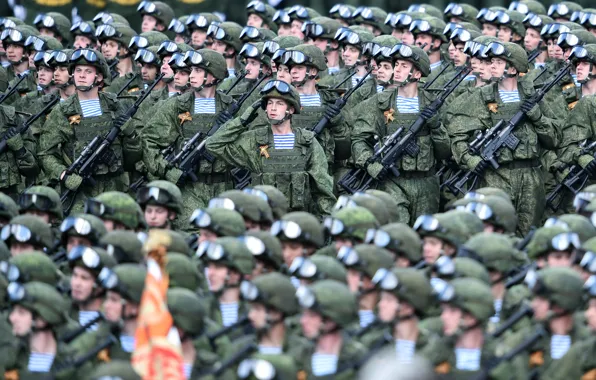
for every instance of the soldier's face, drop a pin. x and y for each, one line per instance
(559, 259)
(387, 307)
(311, 323)
(283, 73)
(110, 49)
(149, 23)
(61, 75)
(198, 37)
(583, 69)
(165, 67)
(21, 320)
(408, 38)
(385, 71)
(554, 51)
(49, 33)
(111, 225)
(590, 314)
(113, 306)
(489, 30)
(217, 275)
(375, 69)
(431, 249)
(425, 40)
(321, 43)
(257, 314)
(451, 317)
(284, 30)
(296, 29)
(497, 67)
(459, 58)
(156, 216)
(206, 235)
(532, 39)
(350, 55)
(17, 248)
(353, 278)
(73, 241)
(181, 78)
(505, 33)
(81, 284)
(44, 75)
(402, 70)
(219, 46)
(541, 306)
(254, 20)
(298, 73)
(485, 70)
(82, 42)
(252, 68)
(277, 109)
(14, 53)
(148, 72)
(291, 250)
(179, 39)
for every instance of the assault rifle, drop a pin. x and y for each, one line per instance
(98, 150)
(397, 146)
(501, 135)
(12, 89)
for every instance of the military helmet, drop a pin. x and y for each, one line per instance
(201, 21)
(373, 16)
(430, 10)
(461, 11)
(561, 286)
(115, 369)
(365, 258)
(183, 273)
(369, 202)
(116, 206)
(128, 280)
(448, 268)
(41, 299)
(509, 52)
(277, 200)
(31, 266)
(382, 41)
(54, 21)
(528, 6)
(93, 259)
(299, 226)
(160, 193)
(264, 247)
(254, 50)
(354, 35)
(318, 267)
(470, 295)
(41, 198)
(250, 206)
(399, 238)
(264, 11)
(118, 32)
(413, 54)
(332, 299)
(494, 210)
(254, 34)
(351, 222)
(162, 12)
(298, 12)
(109, 18)
(281, 90)
(511, 19)
(208, 60)
(575, 223)
(587, 53)
(467, 224)
(146, 40)
(488, 191)
(229, 251)
(563, 9)
(496, 251)
(83, 28)
(580, 202)
(408, 284)
(311, 56)
(286, 42)
(16, 35)
(389, 201)
(430, 25)
(177, 243)
(90, 57)
(555, 238)
(321, 27)
(442, 226)
(42, 43)
(227, 32)
(187, 310)
(28, 229)
(536, 22)
(263, 366)
(274, 290)
(221, 221)
(124, 246)
(8, 207)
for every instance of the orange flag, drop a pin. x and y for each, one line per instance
(157, 354)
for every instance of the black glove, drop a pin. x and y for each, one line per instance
(428, 113)
(120, 121)
(251, 113)
(12, 132)
(332, 111)
(591, 167)
(480, 168)
(223, 117)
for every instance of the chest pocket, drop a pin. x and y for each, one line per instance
(528, 140)
(202, 123)
(306, 119)
(424, 160)
(571, 92)
(286, 170)
(90, 127)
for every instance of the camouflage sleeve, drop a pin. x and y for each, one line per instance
(548, 127)
(321, 182)
(26, 159)
(160, 132)
(55, 131)
(467, 115)
(578, 127)
(570, 365)
(235, 145)
(364, 131)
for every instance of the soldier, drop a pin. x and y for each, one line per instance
(553, 246)
(198, 25)
(228, 261)
(563, 10)
(256, 212)
(510, 24)
(429, 36)
(43, 202)
(53, 24)
(418, 187)
(32, 266)
(351, 42)
(317, 268)
(178, 26)
(328, 308)
(347, 227)
(251, 34)
(74, 122)
(117, 210)
(161, 202)
(13, 41)
(441, 235)
(8, 209)
(276, 199)
(62, 79)
(266, 250)
(83, 34)
(509, 94)
(400, 23)
(217, 222)
(81, 229)
(271, 301)
(225, 39)
(293, 20)
(342, 13)
(26, 233)
(156, 16)
(399, 239)
(260, 15)
(256, 65)
(124, 246)
(460, 12)
(37, 311)
(321, 32)
(533, 41)
(280, 101)
(372, 19)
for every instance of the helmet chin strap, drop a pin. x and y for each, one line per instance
(589, 77)
(505, 75)
(205, 85)
(167, 80)
(87, 88)
(287, 116)
(328, 48)
(408, 80)
(307, 77)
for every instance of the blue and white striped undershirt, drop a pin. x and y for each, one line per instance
(559, 345)
(204, 105)
(229, 313)
(187, 370)
(310, 100)
(577, 84)
(407, 105)
(333, 70)
(172, 93)
(509, 96)
(380, 88)
(5, 64)
(467, 359)
(39, 362)
(270, 350)
(87, 316)
(538, 65)
(498, 304)
(90, 107)
(127, 342)
(324, 364)
(470, 77)
(434, 66)
(355, 80)
(284, 141)
(366, 317)
(231, 72)
(404, 349)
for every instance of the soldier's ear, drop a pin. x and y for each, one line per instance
(292, 110)
(416, 74)
(99, 77)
